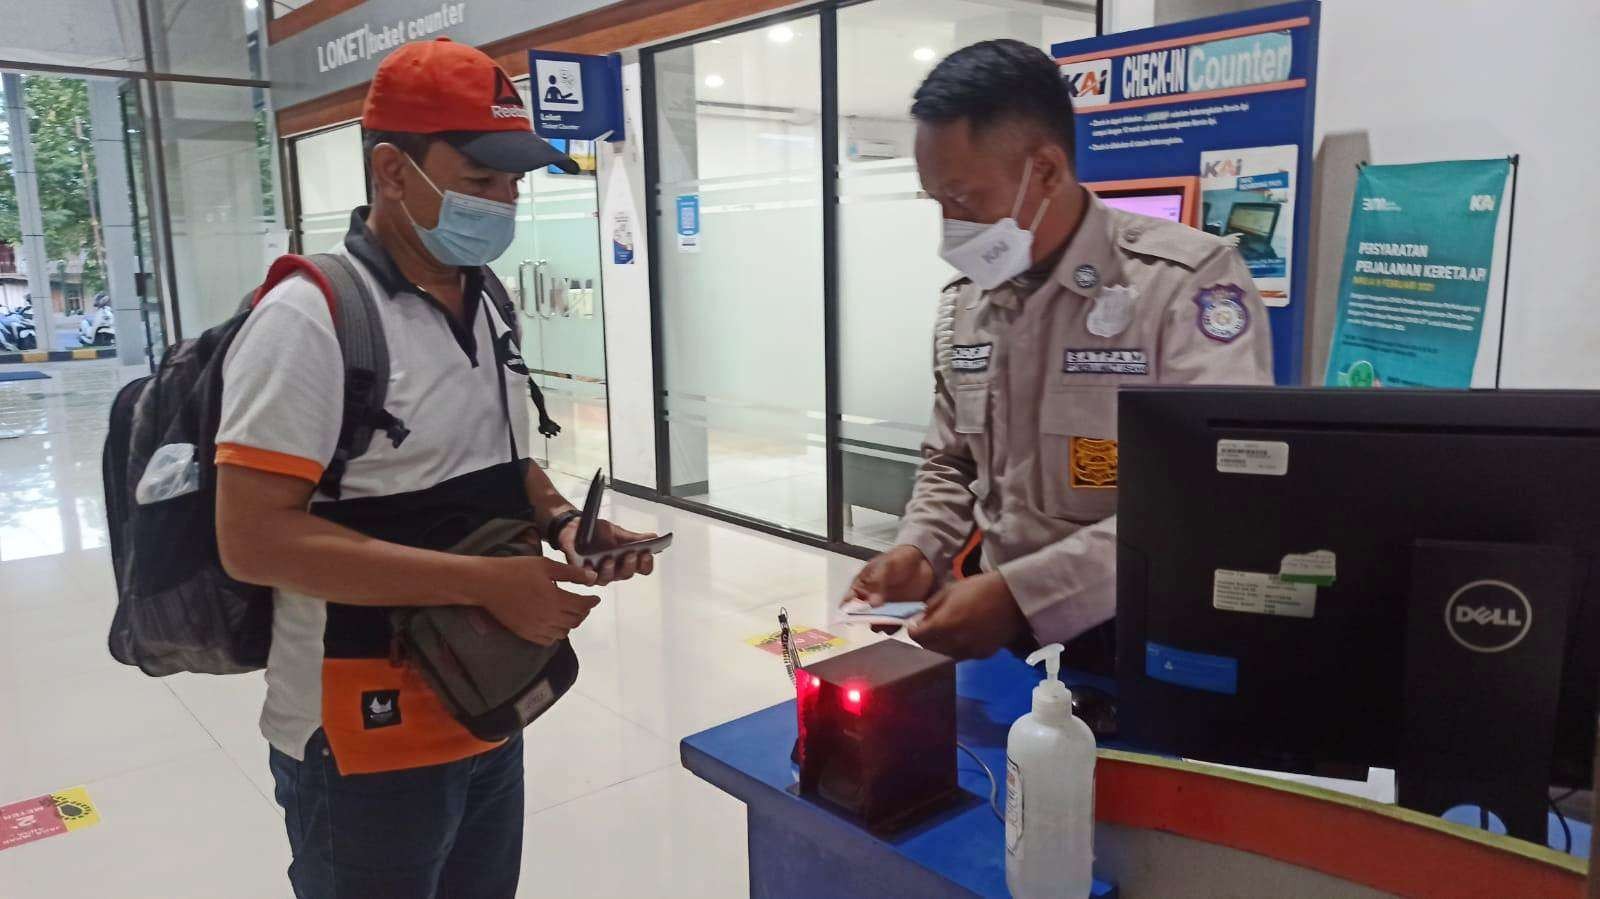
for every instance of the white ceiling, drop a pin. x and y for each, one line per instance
(878, 70)
(98, 33)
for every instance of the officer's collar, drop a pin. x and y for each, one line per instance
(1091, 261)
(1090, 251)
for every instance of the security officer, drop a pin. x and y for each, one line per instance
(1030, 347)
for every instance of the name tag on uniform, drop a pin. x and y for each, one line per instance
(971, 357)
(1105, 362)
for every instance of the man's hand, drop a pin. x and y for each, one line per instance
(902, 574)
(608, 535)
(521, 593)
(971, 619)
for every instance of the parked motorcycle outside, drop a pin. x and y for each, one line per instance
(100, 328)
(17, 332)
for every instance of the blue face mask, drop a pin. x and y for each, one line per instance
(472, 231)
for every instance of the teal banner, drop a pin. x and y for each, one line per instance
(1416, 274)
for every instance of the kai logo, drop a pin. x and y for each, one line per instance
(1089, 82)
(1481, 203)
(1222, 168)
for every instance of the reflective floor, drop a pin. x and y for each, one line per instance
(782, 483)
(177, 769)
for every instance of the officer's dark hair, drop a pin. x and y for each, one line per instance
(994, 82)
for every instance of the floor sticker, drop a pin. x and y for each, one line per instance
(807, 641)
(46, 816)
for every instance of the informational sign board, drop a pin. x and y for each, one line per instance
(689, 223)
(1227, 101)
(576, 97)
(1418, 268)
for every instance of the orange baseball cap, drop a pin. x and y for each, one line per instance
(456, 92)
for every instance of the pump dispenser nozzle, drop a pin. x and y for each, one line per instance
(1051, 699)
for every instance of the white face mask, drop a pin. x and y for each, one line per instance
(993, 254)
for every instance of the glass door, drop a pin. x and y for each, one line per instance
(553, 274)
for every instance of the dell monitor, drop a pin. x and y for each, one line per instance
(1253, 220)
(1319, 581)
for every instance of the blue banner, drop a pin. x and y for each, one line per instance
(1416, 274)
(576, 97)
(1220, 111)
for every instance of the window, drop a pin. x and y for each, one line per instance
(890, 271)
(744, 128)
(738, 219)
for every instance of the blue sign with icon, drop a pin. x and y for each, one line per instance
(576, 97)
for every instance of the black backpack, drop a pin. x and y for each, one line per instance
(177, 609)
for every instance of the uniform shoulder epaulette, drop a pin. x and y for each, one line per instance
(1172, 241)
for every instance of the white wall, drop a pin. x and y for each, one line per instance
(1455, 79)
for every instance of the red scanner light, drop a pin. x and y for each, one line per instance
(852, 700)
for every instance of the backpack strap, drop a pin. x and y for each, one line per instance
(363, 348)
(500, 299)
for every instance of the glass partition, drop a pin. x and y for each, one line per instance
(738, 217)
(890, 273)
(222, 230)
(553, 273)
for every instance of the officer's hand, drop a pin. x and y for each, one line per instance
(607, 535)
(971, 619)
(521, 593)
(902, 574)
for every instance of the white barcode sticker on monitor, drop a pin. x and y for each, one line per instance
(1262, 594)
(1265, 457)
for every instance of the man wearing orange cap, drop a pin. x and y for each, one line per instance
(384, 793)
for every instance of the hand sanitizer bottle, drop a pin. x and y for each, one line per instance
(1050, 793)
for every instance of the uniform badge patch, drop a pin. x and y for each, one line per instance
(1222, 314)
(1092, 463)
(1086, 277)
(971, 357)
(1112, 311)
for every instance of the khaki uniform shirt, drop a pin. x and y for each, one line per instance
(1024, 435)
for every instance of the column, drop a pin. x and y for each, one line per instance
(116, 218)
(31, 222)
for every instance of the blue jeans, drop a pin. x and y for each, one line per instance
(450, 831)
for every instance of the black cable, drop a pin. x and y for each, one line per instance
(1564, 827)
(994, 785)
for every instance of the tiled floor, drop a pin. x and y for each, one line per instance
(178, 770)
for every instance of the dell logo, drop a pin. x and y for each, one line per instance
(1488, 616)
